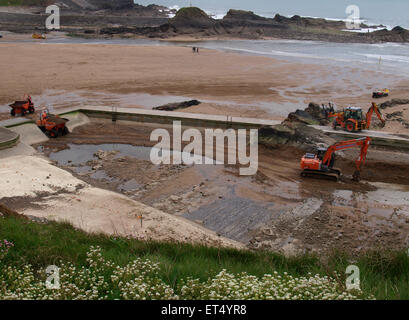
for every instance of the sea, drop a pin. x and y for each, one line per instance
(389, 13)
(391, 58)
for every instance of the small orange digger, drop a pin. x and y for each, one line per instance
(39, 36)
(22, 107)
(380, 93)
(52, 125)
(352, 119)
(322, 163)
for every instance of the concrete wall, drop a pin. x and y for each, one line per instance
(151, 118)
(8, 138)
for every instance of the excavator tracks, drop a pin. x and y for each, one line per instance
(333, 175)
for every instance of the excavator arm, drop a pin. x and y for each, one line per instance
(362, 142)
(370, 112)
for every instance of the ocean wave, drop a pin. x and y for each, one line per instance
(286, 54)
(175, 7)
(387, 57)
(365, 30)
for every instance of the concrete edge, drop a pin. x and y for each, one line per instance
(10, 142)
(168, 119)
(377, 141)
(194, 120)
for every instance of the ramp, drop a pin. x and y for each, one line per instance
(29, 133)
(76, 119)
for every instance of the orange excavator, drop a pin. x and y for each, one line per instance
(352, 119)
(322, 163)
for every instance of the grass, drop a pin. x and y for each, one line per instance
(383, 274)
(25, 2)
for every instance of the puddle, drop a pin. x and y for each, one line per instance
(82, 169)
(390, 194)
(101, 175)
(60, 99)
(80, 154)
(131, 185)
(57, 99)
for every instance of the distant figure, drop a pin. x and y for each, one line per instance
(194, 49)
(44, 114)
(331, 107)
(325, 111)
(197, 50)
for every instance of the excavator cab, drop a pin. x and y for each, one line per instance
(321, 154)
(353, 113)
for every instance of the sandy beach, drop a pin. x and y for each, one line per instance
(228, 83)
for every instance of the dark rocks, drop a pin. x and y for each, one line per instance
(397, 34)
(393, 102)
(295, 130)
(243, 15)
(294, 134)
(152, 22)
(313, 114)
(178, 105)
(112, 4)
(188, 18)
(396, 114)
(398, 29)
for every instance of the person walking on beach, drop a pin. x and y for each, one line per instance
(194, 49)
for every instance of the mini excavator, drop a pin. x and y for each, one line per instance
(322, 163)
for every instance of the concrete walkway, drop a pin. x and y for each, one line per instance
(204, 120)
(379, 137)
(145, 115)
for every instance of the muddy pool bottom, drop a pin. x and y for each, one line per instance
(273, 210)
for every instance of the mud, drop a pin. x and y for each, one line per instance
(275, 210)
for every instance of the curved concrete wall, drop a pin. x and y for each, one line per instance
(8, 138)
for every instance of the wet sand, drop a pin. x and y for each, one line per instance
(228, 83)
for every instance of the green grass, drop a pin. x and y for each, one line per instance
(25, 2)
(383, 274)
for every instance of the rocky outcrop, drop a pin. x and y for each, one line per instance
(397, 34)
(178, 105)
(295, 134)
(112, 4)
(295, 129)
(117, 17)
(246, 24)
(313, 114)
(95, 4)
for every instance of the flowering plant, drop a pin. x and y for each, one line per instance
(5, 246)
(102, 279)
